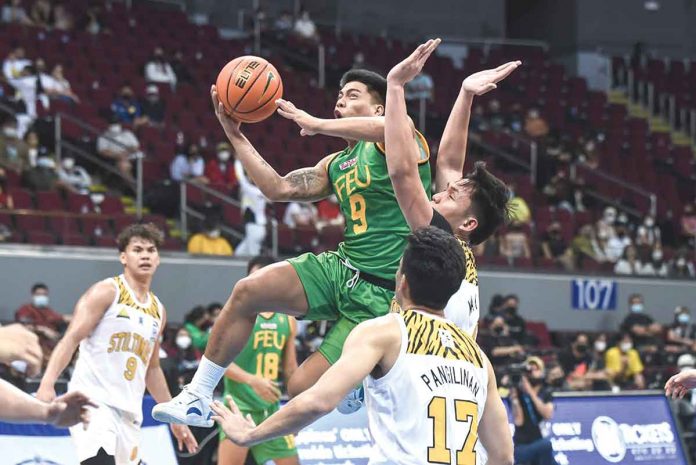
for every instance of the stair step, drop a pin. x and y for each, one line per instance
(617, 96)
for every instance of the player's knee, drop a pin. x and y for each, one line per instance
(246, 292)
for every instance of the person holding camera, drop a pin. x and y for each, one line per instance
(531, 403)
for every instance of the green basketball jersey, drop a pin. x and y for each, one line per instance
(262, 356)
(375, 230)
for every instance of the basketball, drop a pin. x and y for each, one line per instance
(248, 87)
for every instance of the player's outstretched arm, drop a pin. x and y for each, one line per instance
(366, 347)
(305, 184)
(681, 383)
(367, 128)
(89, 310)
(452, 152)
(493, 428)
(20, 407)
(401, 152)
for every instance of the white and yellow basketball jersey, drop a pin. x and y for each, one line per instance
(427, 408)
(463, 306)
(113, 360)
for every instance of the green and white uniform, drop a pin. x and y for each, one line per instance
(263, 356)
(356, 282)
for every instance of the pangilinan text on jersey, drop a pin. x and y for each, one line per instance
(448, 374)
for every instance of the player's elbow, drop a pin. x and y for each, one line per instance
(318, 404)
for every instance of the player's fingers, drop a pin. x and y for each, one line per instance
(214, 97)
(284, 113)
(216, 419)
(218, 408)
(250, 419)
(233, 405)
(180, 443)
(191, 444)
(487, 88)
(303, 132)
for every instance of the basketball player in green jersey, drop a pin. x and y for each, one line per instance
(349, 285)
(252, 381)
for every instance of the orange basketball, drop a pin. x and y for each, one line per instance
(248, 87)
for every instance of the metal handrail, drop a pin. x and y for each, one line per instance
(497, 41)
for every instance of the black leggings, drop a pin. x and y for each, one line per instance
(102, 458)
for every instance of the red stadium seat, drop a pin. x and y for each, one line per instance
(40, 237)
(50, 201)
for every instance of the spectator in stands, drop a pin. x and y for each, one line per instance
(534, 125)
(15, 63)
(41, 13)
(220, 170)
(616, 245)
(329, 213)
(283, 23)
(183, 356)
(585, 245)
(91, 22)
(605, 225)
(44, 176)
(153, 107)
(181, 69)
(74, 175)
(531, 403)
(681, 336)
(575, 362)
(496, 119)
(554, 247)
(60, 86)
(624, 365)
(197, 322)
(517, 207)
(119, 145)
(656, 266)
(209, 241)
(597, 372)
(254, 210)
(559, 191)
(6, 200)
(62, 18)
(688, 223)
(305, 28)
(27, 87)
(501, 346)
(189, 166)
(642, 328)
(515, 243)
(14, 152)
(495, 308)
(629, 263)
(38, 316)
(517, 324)
(14, 12)
(126, 107)
(515, 120)
(681, 267)
(158, 69)
(300, 214)
(648, 234)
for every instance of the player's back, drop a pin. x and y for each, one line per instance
(112, 362)
(375, 229)
(426, 409)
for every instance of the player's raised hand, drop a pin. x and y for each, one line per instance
(229, 124)
(232, 422)
(304, 120)
(265, 388)
(680, 384)
(184, 437)
(413, 64)
(18, 343)
(70, 409)
(485, 81)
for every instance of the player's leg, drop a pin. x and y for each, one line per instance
(230, 453)
(307, 374)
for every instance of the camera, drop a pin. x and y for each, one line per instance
(516, 371)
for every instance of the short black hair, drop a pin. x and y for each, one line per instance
(489, 202)
(147, 231)
(261, 261)
(38, 286)
(376, 84)
(195, 314)
(434, 266)
(212, 306)
(635, 296)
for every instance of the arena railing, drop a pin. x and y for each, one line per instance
(186, 210)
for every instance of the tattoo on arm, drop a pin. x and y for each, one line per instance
(308, 184)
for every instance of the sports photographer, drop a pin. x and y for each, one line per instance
(530, 401)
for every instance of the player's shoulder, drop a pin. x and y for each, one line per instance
(382, 330)
(103, 291)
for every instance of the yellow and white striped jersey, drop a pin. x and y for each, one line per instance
(113, 360)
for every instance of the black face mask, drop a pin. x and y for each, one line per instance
(582, 348)
(511, 310)
(536, 381)
(558, 382)
(498, 330)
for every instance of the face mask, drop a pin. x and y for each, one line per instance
(68, 163)
(681, 262)
(649, 222)
(10, 132)
(609, 219)
(40, 301)
(684, 318)
(657, 256)
(636, 308)
(626, 346)
(224, 155)
(512, 310)
(215, 233)
(600, 346)
(97, 198)
(536, 381)
(116, 127)
(183, 342)
(582, 348)
(46, 162)
(498, 330)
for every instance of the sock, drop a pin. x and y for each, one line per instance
(206, 377)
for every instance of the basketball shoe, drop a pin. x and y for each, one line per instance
(188, 408)
(352, 402)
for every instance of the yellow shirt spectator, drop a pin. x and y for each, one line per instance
(621, 369)
(204, 244)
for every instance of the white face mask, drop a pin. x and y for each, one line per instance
(224, 155)
(46, 162)
(116, 127)
(649, 222)
(40, 300)
(96, 198)
(215, 233)
(600, 346)
(657, 255)
(183, 342)
(681, 262)
(626, 346)
(10, 132)
(68, 163)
